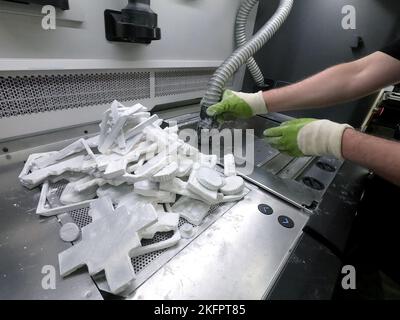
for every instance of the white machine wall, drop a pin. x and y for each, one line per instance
(197, 35)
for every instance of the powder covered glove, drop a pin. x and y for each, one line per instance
(238, 105)
(308, 137)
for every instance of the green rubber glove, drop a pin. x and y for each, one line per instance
(238, 105)
(285, 137)
(308, 137)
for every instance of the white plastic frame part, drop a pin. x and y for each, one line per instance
(75, 164)
(113, 123)
(151, 189)
(178, 186)
(185, 167)
(167, 221)
(44, 211)
(194, 211)
(234, 198)
(229, 165)
(209, 161)
(53, 157)
(70, 195)
(158, 246)
(136, 130)
(29, 164)
(166, 174)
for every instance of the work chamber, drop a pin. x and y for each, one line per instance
(284, 240)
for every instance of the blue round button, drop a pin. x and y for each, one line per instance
(265, 209)
(286, 222)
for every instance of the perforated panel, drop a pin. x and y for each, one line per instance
(181, 81)
(81, 218)
(42, 93)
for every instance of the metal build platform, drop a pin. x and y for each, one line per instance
(245, 250)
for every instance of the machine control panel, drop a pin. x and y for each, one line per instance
(284, 221)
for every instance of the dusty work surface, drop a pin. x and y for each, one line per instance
(239, 256)
(236, 254)
(226, 255)
(29, 247)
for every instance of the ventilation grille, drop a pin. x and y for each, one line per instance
(178, 82)
(43, 93)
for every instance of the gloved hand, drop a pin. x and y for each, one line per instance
(308, 137)
(238, 105)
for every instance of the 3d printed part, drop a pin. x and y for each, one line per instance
(209, 178)
(69, 232)
(233, 186)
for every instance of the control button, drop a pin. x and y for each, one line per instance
(286, 222)
(325, 166)
(265, 209)
(313, 183)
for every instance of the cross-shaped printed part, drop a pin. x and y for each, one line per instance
(108, 243)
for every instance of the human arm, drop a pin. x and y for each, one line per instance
(311, 137)
(341, 83)
(377, 154)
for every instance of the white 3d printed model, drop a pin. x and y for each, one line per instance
(135, 165)
(108, 243)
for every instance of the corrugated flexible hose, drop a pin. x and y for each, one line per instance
(241, 55)
(241, 38)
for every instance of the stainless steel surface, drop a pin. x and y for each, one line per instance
(28, 243)
(295, 168)
(236, 254)
(325, 177)
(79, 284)
(288, 190)
(18, 150)
(237, 257)
(146, 265)
(277, 117)
(263, 153)
(278, 163)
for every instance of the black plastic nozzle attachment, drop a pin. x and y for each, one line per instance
(136, 23)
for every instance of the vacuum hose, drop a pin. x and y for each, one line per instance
(241, 39)
(241, 55)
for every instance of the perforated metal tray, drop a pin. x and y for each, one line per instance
(147, 264)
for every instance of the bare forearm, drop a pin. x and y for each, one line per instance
(380, 155)
(326, 88)
(338, 84)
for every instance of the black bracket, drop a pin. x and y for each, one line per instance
(117, 30)
(136, 23)
(61, 4)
